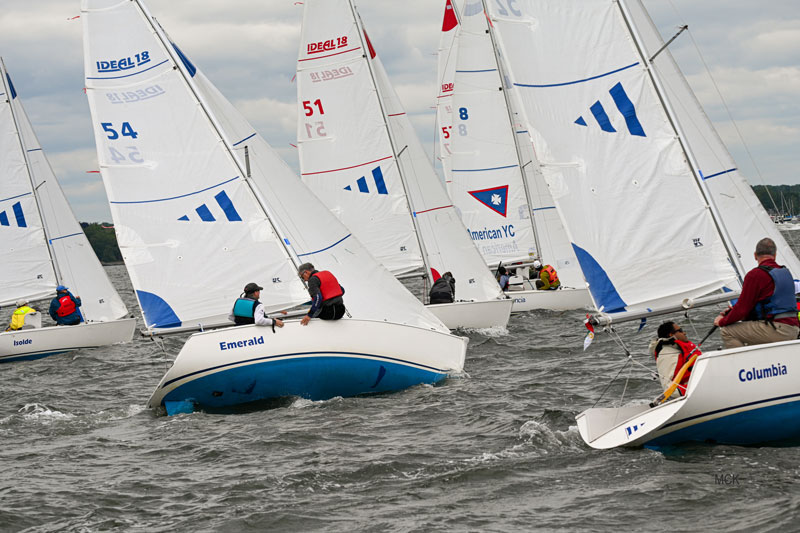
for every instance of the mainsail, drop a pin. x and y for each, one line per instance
(359, 153)
(201, 203)
(614, 163)
(44, 245)
(446, 72)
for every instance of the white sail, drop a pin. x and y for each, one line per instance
(365, 203)
(73, 260)
(612, 160)
(743, 213)
(446, 72)
(193, 229)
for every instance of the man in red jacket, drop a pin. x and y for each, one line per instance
(766, 310)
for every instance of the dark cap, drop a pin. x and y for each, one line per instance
(250, 288)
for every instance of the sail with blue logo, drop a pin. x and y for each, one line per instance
(611, 158)
(363, 120)
(194, 227)
(43, 245)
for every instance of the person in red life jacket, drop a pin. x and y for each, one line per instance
(64, 308)
(672, 349)
(248, 310)
(766, 310)
(326, 294)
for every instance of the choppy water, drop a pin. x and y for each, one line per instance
(495, 449)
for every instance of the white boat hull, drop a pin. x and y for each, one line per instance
(473, 315)
(36, 343)
(325, 359)
(562, 299)
(743, 396)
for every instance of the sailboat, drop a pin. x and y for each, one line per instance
(658, 214)
(360, 155)
(202, 206)
(491, 171)
(44, 246)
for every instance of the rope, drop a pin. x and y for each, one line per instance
(160, 343)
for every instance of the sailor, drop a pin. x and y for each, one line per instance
(18, 317)
(766, 311)
(546, 276)
(502, 277)
(248, 310)
(672, 349)
(64, 308)
(326, 294)
(443, 290)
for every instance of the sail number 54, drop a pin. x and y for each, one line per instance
(126, 130)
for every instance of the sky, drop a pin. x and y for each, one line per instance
(248, 49)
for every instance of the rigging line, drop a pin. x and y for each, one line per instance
(610, 382)
(725, 105)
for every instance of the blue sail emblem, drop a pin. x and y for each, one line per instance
(19, 216)
(494, 198)
(624, 106)
(377, 176)
(224, 202)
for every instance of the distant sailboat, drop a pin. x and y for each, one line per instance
(654, 206)
(490, 168)
(361, 156)
(203, 205)
(44, 246)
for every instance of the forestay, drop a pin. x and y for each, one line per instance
(744, 216)
(47, 245)
(611, 157)
(446, 246)
(202, 217)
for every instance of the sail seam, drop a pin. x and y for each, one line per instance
(127, 75)
(331, 55)
(17, 196)
(346, 168)
(328, 248)
(64, 237)
(576, 81)
(175, 197)
(482, 169)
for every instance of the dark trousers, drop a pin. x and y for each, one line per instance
(332, 312)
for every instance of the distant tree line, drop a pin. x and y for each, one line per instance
(786, 198)
(103, 240)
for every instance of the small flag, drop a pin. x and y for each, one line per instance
(587, 341)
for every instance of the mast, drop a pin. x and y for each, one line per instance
(166, 43)
(501, 72)
(694, 167)
(412, 211)
(34, 189)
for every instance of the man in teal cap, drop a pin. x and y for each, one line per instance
(64, 308)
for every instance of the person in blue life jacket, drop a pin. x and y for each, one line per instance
(64, 308)
(248, 310)
(326, 294)
(502, 278)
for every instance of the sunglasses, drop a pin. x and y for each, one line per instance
(679, 330)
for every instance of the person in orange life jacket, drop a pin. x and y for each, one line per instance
(672, 349)
(546, 276)
(248, 310)
(326, 294)
(443, 290)
(502, 278)
(64, 308)
(766, 310)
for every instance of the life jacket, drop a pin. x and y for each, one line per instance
(782, 303)
(687, 351)
(244, 310)
(551, 273)
(18, 318)
(328, 285)
(66, 306)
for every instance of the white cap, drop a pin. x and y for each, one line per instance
(537, 263)
(20, 303)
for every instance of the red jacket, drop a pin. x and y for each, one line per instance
(757, 286)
